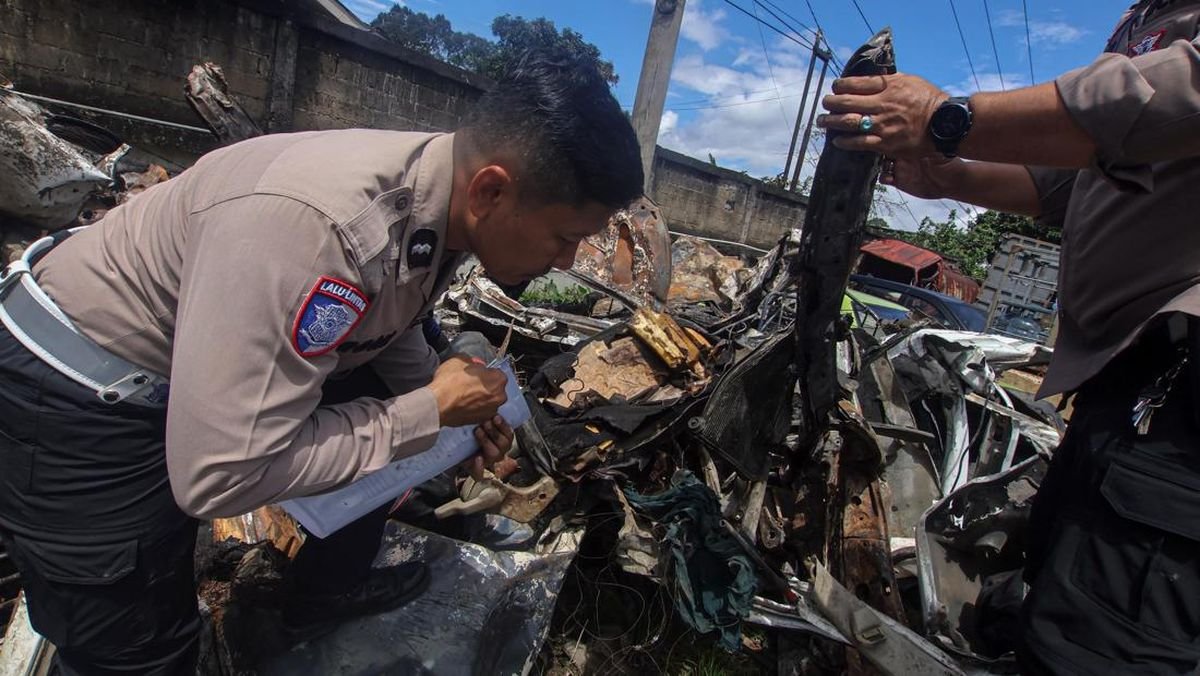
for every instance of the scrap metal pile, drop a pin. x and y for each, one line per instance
(738, 466)
(715, 458)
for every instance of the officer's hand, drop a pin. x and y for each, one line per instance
(930, 177)
(467, 393)
(495, 439)
(900, 106)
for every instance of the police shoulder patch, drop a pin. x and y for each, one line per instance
(1147, 44)
(330, 311)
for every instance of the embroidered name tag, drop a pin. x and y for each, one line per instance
(330, 311)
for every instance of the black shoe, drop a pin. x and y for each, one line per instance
(307, 616)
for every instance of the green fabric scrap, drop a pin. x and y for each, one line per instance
(712, 578)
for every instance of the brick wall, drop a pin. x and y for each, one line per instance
(293, 67)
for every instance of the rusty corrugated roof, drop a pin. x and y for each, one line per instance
(902, 253)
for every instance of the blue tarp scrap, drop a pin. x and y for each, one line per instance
(712, 578)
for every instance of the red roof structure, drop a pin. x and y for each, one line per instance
(906, 263)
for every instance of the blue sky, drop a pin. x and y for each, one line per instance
(736, 85)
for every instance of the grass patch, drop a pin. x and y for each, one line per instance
(552, 295)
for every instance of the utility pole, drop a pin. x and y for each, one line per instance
(656, 75)
(812, 62)
(824, 55)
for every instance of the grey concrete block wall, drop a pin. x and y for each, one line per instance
(701, 199)
(347, 85)
(133, 56)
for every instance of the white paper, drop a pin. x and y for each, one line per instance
(326, 513)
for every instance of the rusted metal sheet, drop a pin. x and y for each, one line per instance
(633, 253)
(699, 273)
(902, 253)
(954, 283)
(929, 268)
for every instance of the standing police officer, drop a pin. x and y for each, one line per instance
(169, 363)
(1111, 153)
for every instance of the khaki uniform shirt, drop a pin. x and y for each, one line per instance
(1131, 222)
(251, 278)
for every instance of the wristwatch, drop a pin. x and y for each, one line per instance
(950, 124)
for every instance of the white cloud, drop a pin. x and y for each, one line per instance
(735, 111)
(750, 133)
(670, 121)
(703, 26)
(1042, 33)
(1055, 33)
(988, 82)
(904, 212)
(700, 25)
(743, 117)
(369, 9)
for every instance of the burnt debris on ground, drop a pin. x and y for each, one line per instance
(725, 470)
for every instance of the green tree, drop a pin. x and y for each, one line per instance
(515, 36)
(973, 246)
(1020, 225)
(434, 35)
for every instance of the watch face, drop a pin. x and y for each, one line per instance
(949, 122)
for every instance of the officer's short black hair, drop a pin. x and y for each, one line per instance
(574, 142)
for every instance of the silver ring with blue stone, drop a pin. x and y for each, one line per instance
(865, 124)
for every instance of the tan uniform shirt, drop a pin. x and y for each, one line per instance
(252, 277)
(1131, 240)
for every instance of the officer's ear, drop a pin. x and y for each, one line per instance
(491, 189)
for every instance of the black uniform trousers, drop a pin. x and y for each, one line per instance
(104, 552)
(1114, 555)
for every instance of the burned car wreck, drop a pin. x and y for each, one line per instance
(717, 460)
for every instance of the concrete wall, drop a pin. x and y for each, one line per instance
(289, 65)
(293, 67)
(133, 56)
(703, 199)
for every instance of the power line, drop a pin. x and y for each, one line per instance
(728, 97)
(966, 51)
(778, 18)
(740, 103)
(836, 62)
(770, 70)
(784, 12)
(818, 35)
(743, 10)
(966, 209)
(1028, 41)
(864, 17)
(903, 198)
(904, 201)
(999, 71)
